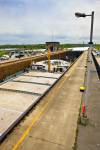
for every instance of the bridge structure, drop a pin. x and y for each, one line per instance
(46, 104)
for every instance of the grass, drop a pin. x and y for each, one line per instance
(2, 52)
(97, 47)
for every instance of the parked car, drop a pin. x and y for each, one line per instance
(98, 53)
(4, 57)
(17, 54)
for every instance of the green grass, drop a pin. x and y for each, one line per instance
(3, 53)
(97, 46)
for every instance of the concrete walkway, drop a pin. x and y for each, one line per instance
(56, 128)
(89, 136)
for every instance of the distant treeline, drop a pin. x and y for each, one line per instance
(39, 46)
(36, 46)
(42, 46)
(72, 45)
(97, 46)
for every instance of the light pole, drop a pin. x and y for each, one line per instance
(77, 14)
(89, 62)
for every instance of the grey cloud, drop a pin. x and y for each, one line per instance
(37, 23)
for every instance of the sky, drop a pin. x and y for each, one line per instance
(38, 21)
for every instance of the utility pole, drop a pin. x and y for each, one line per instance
(91, 30)
(89, 63)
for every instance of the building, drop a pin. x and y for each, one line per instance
(54, 46)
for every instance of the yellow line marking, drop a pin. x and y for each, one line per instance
(35, 119)
(38, 116)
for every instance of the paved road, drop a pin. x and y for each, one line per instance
(52, 124)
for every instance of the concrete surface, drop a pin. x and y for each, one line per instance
(16, 101)
(56, 129)
(7, 117)
(89, 136)
(36, 79)
(27, 87)
(14, 104)
(44, 74)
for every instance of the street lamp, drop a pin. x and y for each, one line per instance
(88, 74)
(78, 14)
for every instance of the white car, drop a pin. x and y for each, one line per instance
(4, 57)
(98, 53)
(56, 65)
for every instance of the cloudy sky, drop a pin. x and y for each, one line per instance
(37, 21)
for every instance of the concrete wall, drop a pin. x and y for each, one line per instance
(97, 65)
(12, 67)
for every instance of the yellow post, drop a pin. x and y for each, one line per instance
(49, 64)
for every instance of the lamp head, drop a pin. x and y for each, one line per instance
(77, 14)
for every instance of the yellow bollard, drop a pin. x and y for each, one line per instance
(82, 88)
